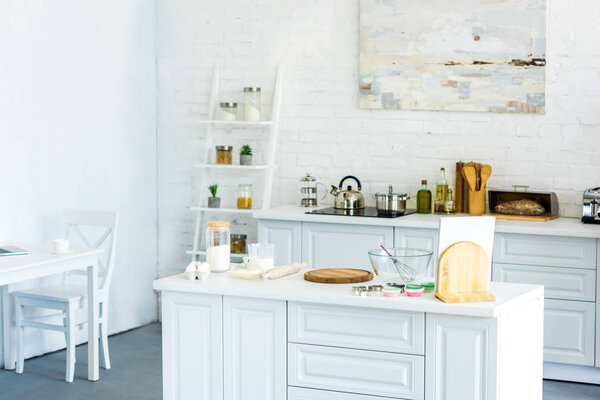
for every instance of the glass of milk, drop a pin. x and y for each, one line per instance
(261, 255)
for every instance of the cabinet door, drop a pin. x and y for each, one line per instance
(192, 346)
(340, 245)
(460, 358)
(426, 239)
(255, 355)
(286, 236)
(569, 332)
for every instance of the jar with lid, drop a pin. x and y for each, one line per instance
(218, 246)
(228, 111)
(224, 154)
(244, 198)
(238, 243)
(252, 103)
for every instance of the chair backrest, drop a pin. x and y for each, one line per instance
(74, 219)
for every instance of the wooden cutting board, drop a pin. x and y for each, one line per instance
(338, 275)
(463, 274)
(536, 218)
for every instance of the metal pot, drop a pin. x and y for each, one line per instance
(348, 199)
(391, 203)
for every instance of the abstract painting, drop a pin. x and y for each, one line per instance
(465, 55)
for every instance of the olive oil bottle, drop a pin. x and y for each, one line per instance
(424, 199)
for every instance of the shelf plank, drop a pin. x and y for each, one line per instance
(236, 124)
(225, 210)
(233, 166)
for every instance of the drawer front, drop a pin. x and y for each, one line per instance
(393, 331)
(356, 371)
(296, 393)
(551, 251)
(569, 332)
(559, 283)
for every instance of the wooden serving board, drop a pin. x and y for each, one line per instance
(338, 275)
(536, 218)
(463, 274)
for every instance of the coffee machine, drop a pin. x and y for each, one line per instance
(591, 206)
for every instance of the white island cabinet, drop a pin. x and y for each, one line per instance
(297, 340)
(562, 255)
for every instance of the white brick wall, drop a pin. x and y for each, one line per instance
(323, 131)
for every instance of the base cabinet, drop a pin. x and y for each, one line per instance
(287, 238)
(254, 352)
(192, 347)
(296, 393)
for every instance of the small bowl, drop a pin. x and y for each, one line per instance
(428, 286)
(414, 290)
(391, 291)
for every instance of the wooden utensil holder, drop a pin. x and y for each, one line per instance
(476, 202)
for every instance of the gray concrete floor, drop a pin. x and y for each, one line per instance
(136, 374)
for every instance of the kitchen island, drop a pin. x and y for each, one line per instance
(297, 340)
(561, 254)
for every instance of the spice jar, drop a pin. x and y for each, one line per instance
(217, 246)
(244, 199)
(238, 243)
(224, 154)
(252, 103)
(228, 111)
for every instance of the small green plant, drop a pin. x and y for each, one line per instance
(213, 189)
(246, 150)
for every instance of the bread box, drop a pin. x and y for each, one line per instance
(548, 200)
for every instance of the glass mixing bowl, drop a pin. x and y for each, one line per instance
(412, 265)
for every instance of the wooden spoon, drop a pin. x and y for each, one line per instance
(471, 176)
(486, 171)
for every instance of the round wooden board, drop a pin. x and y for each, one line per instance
(338, 275)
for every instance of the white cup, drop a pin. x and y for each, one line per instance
(60, 245)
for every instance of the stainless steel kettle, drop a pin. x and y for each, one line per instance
(348, 199)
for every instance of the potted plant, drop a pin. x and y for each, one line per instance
(246, 155)
(214, 201)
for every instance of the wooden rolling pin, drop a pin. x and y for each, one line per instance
(278, 272)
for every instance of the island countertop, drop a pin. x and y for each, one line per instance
(509, 296)
(569, 227)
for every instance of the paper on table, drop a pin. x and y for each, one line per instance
(473, 229)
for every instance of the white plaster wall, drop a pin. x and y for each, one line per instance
(324, 132)
(77, 129)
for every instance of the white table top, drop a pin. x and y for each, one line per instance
(509, 296)
(571, 227)
(17, 266)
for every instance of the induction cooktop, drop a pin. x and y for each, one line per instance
(363, 212)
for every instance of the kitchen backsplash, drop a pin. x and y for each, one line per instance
(324, 132)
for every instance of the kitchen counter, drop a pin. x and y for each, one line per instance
(295, 288)
(291, 339)
(569, 227)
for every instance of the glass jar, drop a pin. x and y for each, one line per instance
(228, 111)
(244, 198)
(238, 243)
(252, 103)
(224, 154)
(218, 246)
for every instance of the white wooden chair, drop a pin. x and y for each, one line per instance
(69, 298)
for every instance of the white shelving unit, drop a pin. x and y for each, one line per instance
(214, 127)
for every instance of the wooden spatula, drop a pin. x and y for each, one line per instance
(486, 172)
(471, 176)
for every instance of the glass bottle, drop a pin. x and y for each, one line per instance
(424, 199)
(439, 205)
(442, 184)
(218, 250)
(450, 205)
(244, 199)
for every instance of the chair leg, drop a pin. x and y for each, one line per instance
(19, 338)
(70, 339)
(104, 336)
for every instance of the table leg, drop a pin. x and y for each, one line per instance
(7, 338)
(93, 359)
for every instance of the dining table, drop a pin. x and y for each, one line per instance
(41, 263)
